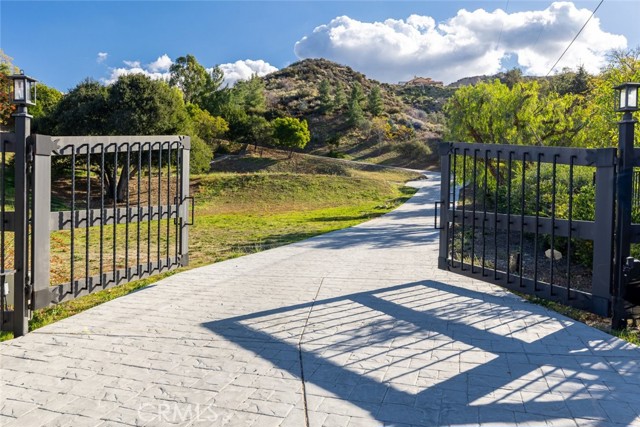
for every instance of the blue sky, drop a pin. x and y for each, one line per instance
(60, 42)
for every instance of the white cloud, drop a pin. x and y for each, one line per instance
(132, 64)
(470, 43)
(157, 70)
(163, 63)
(243, 70)
(102, 56)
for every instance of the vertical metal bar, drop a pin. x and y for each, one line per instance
(495, 219)
(485, 195)
(176, 199)
(115, 212)
(40, 266)
(570, 227)
(601, 287)
(553, 220)
(537, 233)
(103, 219)
(127, 213)
(21, 231)
(139, 216)
(73, 288)
(637, 191)
(184, 193)
(453, 220)
(160, 210)
(445, 181)
(633, 190)
(522, 208)
(88, 220)
(149, 209)
(168, 203)
(509, 179)
(473, 220)
(463, 190)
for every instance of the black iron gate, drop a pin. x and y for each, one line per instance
(82, 214)
(538, 220)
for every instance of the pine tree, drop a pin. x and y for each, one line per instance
(356, 115)
(375, 104)
(325, 96)
(339, 98)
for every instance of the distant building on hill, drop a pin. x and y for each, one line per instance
(422, 81)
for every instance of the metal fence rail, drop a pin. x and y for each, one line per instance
(519, 216)
(121, 212)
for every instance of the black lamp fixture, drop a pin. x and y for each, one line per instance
(626, 97)
(24, 89)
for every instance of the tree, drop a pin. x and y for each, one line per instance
(257, 131)
(133, 105)
(569, 81)
(201, 155)
(512, 77)
(494, 113)
(195, 82)
(82, 111)
(381, 129)
(6, 107)
(291, 133)
(339, 98)
(250, 94)
(206, 126)
(354, 111)
(375, 104)
(139, 105)
(243, 106)
(623, 66)
(324, 96)
(48, 99)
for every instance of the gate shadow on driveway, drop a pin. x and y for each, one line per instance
(429, 353)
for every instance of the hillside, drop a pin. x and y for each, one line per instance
(266, 160)
(401, 135)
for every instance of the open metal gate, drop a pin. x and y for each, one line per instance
(541, 221)
(510, 216)
(83, 214)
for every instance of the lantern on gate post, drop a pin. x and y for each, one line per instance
(626, 101)
(23, 90)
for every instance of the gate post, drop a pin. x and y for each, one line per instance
(604, 236)
(41, 241)
(623, 229)
(445, 194)
(22, 289)
(184, 194)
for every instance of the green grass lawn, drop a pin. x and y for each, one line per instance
(239, 214)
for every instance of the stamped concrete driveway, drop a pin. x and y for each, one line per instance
(353, 328)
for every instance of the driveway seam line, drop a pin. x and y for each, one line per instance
(304, 327)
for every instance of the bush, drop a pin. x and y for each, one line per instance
(201, 156)
(415, 150)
